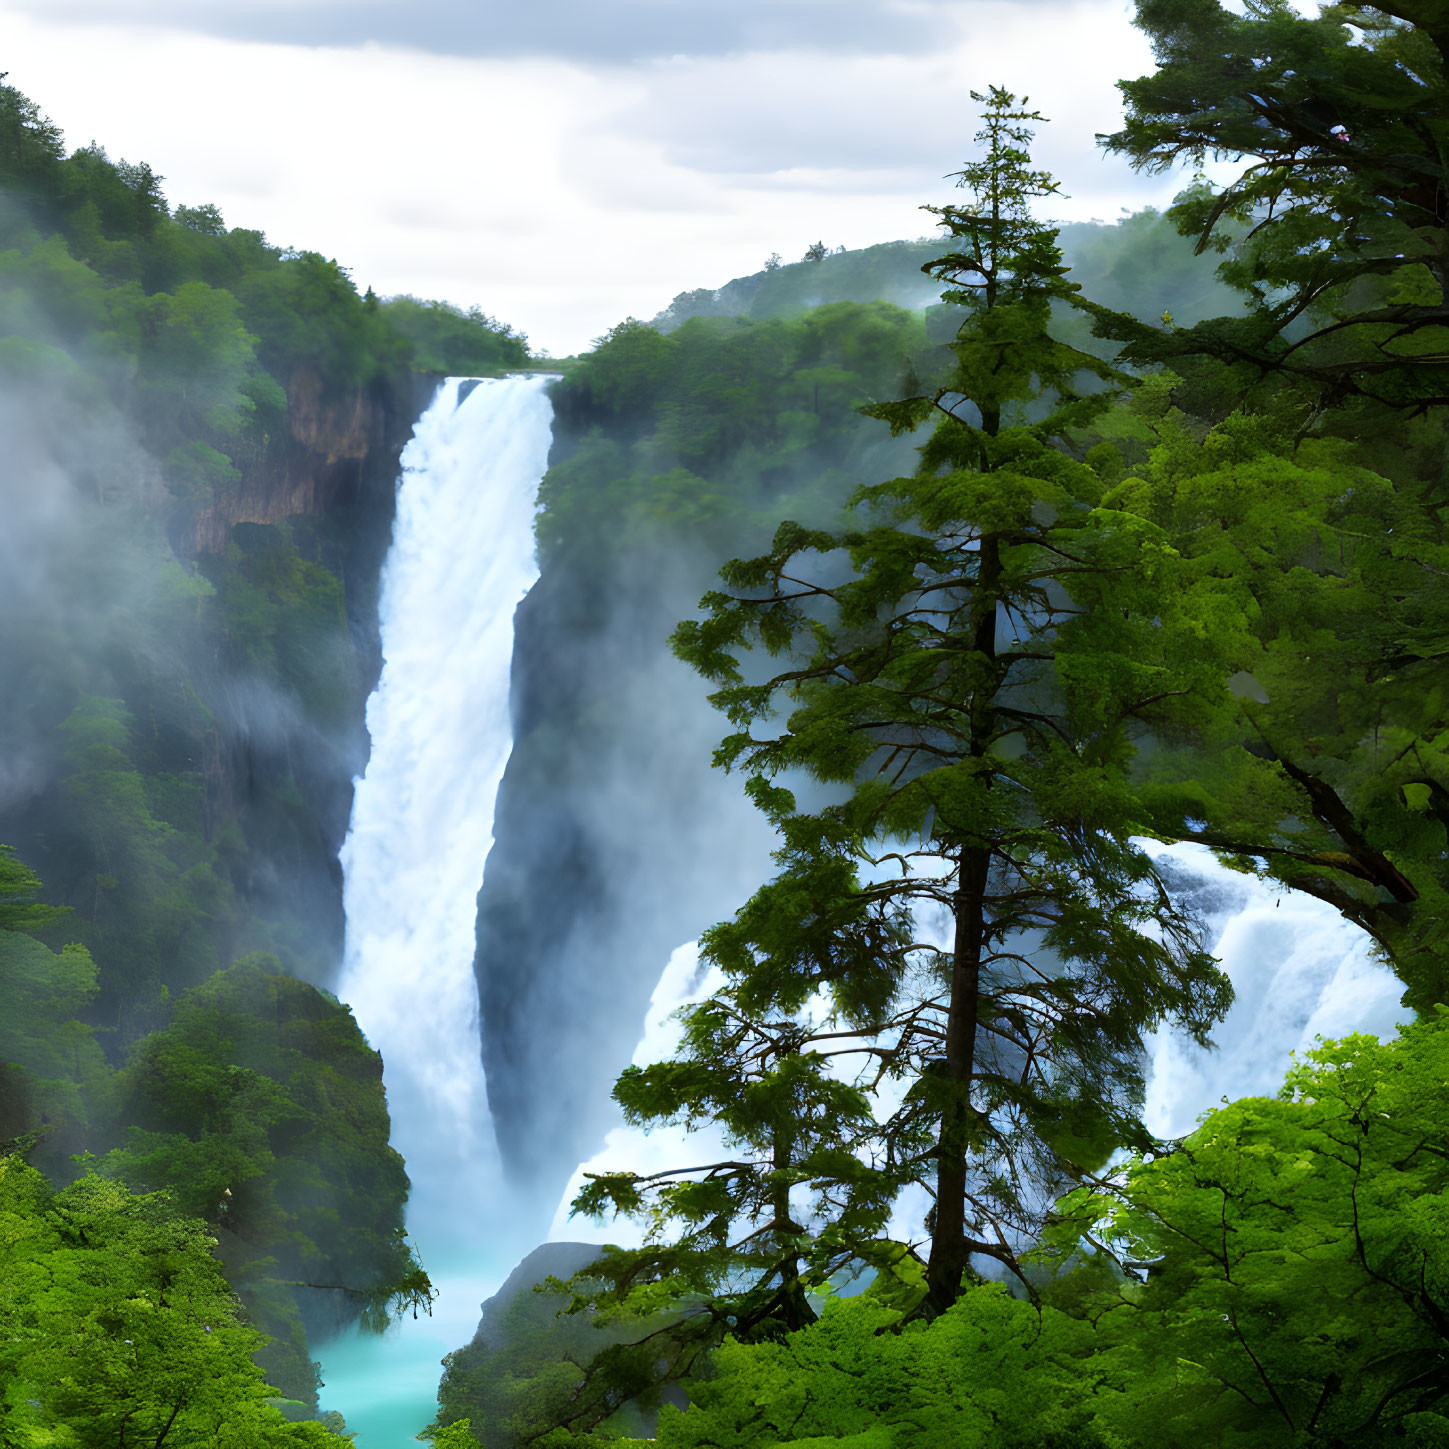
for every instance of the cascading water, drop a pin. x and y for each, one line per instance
(1299, 972)
(422, 824)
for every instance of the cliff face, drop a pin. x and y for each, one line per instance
(337, 466)
(338, 450)
(615, 844)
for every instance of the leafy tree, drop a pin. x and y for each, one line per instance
(457, 1435)
(455, 341)
(206, 219)
(196, 361)
(117, 1327)
(970, 913)
(1297, 1280)
(53, 1074)
(1328, 772)
(1342, 118)
(19, 886)
(260, 1108)
(31, 140)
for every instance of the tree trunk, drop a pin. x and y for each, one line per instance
(949, 1252)
(797, 1311)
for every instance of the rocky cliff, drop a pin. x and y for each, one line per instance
(339, 449)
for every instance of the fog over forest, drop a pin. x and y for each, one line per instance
(861, 861)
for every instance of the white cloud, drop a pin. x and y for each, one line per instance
(614, 30)
(562, 195)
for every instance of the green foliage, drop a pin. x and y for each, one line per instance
(1326, 576)
(148, 891)
(188, 324)
(308, 313)
(53, 1074)
(260, 1108)
(457, 1435)
(117, 1326)
(19, 885)
(1139, 265)
(283, 618)
(455, 342)
(1341, 120)
(535, 1368)
(1277, 1277)
(1315, 512)
(724, 421)
(1297, 1280)
(991, 1371)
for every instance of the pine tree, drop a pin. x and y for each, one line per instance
(1342, 124)
(971, 664)
(1321, 492)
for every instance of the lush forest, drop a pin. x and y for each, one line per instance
(1019, 548)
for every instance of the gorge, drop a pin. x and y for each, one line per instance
(459, 573)
(979, 967)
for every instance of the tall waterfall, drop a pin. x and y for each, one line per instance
(422, 824)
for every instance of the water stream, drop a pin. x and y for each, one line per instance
(422, 824)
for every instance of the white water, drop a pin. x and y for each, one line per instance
(422, 824)
(1299, 971)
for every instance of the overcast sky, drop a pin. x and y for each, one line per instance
(567, 163)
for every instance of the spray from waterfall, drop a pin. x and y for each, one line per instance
(422, 824)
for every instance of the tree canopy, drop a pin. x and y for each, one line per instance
(116, 1326)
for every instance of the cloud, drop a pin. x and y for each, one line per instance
(612, 31)
(563, 196)
(886, 121)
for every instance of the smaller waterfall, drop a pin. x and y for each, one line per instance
(1299, 971)
(422, 824)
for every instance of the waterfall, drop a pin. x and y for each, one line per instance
(1299, 970)
(422, 823)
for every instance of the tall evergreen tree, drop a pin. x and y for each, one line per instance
(1341, 120)
(970, 665)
